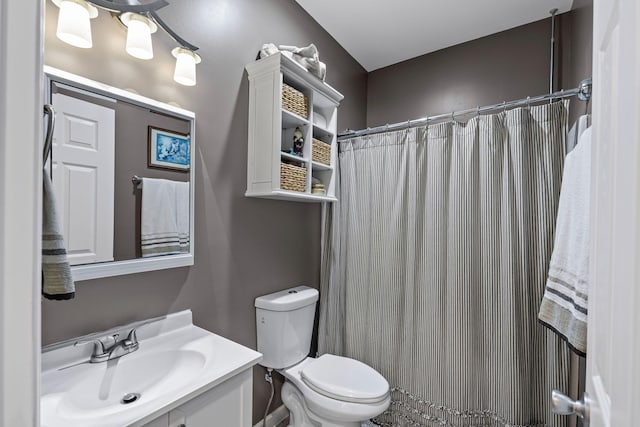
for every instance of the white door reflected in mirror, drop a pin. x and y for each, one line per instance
(83, 168)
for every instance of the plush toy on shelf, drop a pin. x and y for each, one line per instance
(298, 142)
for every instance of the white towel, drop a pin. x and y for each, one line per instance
(576, 131)
(165, 217)
(182, 214)
(57, 282)
(564, 304)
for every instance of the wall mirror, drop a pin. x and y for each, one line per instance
(122, 167)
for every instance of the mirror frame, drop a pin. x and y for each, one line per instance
(136, 265)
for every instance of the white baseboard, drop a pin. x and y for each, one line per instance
(276, 417)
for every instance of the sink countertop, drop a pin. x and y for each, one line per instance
(77, 393)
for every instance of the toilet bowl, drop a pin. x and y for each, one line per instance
(330, 391)
(333, 391)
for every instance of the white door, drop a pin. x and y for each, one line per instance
(83, 175)
(613, 352)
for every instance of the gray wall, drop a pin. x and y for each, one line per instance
(505, 66)
(575, 52)
(244, 247)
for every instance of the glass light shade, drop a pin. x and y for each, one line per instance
(185, 72)
(139, 38)
(74, 27)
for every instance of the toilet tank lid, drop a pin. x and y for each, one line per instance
(288, 299)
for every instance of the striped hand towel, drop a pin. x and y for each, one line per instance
(564, 303)
(57, 282)
(165, 217)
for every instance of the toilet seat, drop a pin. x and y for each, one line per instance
(329, 407)
(345, 379)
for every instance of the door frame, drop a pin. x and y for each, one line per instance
(21, 118)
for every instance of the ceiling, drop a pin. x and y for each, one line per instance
(378, 33)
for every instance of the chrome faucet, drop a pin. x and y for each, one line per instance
(102, 352)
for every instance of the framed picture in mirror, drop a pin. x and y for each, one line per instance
(169, 149)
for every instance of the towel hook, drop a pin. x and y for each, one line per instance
(51, 122)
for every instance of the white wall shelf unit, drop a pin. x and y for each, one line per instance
(271, 130)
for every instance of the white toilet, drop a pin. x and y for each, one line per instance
(330, 391)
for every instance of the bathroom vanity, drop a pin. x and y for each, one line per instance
(228, 404)
(179, 376)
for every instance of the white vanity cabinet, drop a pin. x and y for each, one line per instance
(228, 405)
(180, 375)
(272, 126)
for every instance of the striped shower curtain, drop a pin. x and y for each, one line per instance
(434, 265)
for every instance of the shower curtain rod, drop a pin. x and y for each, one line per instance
(583, 92)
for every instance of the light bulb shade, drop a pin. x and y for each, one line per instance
(139, 29)
(186, 60)
(74, 27)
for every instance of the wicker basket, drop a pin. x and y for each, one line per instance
(292, 178)
(294, 101)
(321, 152)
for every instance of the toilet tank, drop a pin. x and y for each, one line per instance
(284, 324)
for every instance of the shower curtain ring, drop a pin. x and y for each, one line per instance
(478, 111)
(453, 118)
(504, 106)
(528, 101)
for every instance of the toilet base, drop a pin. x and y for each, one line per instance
(301, 416)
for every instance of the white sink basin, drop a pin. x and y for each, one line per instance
(150, 375)
(175, 362)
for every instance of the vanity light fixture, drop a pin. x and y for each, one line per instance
(141, 21)
(186, 60)
(139, 30)
(74, 27)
